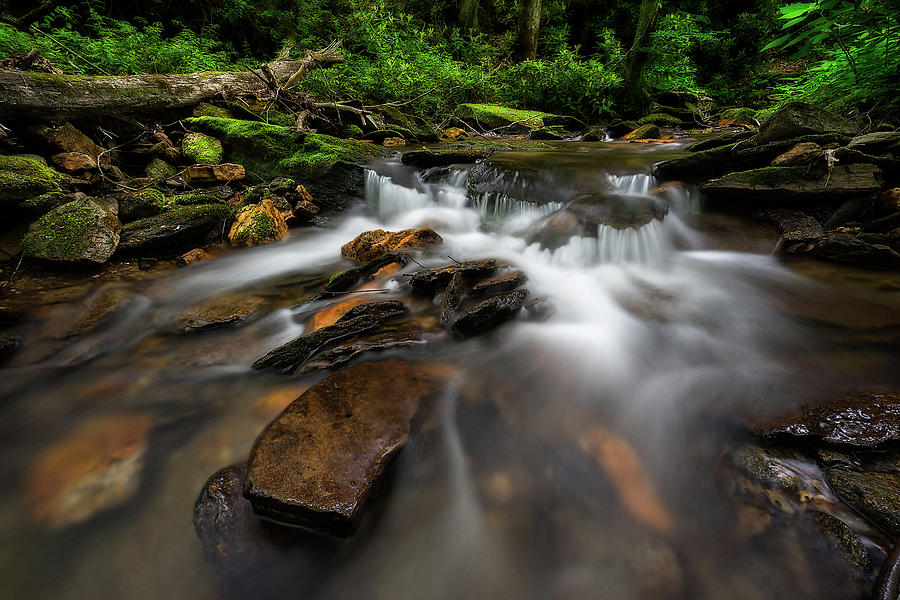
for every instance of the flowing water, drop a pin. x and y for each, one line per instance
(580, 456)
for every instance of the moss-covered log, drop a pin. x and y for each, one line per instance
(47, 95)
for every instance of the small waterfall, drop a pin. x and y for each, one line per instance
(638, 184)
(646, 245)
(389, 199)
(493, 206)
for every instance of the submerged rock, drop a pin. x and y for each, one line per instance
(796, 226)
(846, 247)
(83, 230)
(844, 540)
(427, 282)
(317, 464)
(875, 495)
(95, 467)
(426, 159)
(372, 244)
(8, 347)
(217, 312)
(616, 211)
(257, 224)
(490, 313)
(865, 419)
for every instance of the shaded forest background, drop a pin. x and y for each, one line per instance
(746, 54)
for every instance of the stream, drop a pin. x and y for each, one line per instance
(581, 455)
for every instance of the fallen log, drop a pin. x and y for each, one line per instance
(49, 95)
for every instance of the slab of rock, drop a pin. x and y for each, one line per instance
(499, 284)
(317, 464)
(717, 141)
(74, 162)
(846, 247)
(173, 230)
(79, 231)
(140, 205)
(875, 495)
(490, 313)
(644, 132)
(216, 313)
(95, 467)
(22, 178)
(65, 138)
(876, 143)
(426, 159)
(794, 185)
(801, 154)
(797, 118)
(864, 419)
(350, 278)
(257, 224)
(429, 280)
(372, 244)
(844, 540)
(201, 174)
(796, 226)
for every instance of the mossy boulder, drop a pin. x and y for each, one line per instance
(192, 198)
(175, 230)
(493, 116)
(408, 126)
(160, 169)
(205, 109)
(644, 132)
(141, 204)
(79, 231)
(271, 151)
(661, 119)
(202, 149)
(23, 178)
(257, 224)
(44, 203)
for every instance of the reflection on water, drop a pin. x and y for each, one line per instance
(571, 458)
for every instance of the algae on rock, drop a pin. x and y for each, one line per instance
(81, 230)
(23, 178)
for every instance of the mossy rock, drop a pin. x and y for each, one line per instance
(271, 151)
(173, 230)
(78, 231)
(661, 119)
(205, 109)
(160, 169)
(257, 224)
(409, 126)
(549, 133)
(192, 198)
(24, 178)
(44, 203)
(493, 116)
(202, 149)
(644, 132)
(142, 204)
(352, 131)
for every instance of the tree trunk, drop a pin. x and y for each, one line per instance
(529, 28)
(468, 15)
(639, 51)
(47, 95)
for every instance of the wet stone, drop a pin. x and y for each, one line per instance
(875, 495)
(8, 346)
(490, 313)
(192, 256)
(616, 211)
(865, 419)
(844, 540)
(317, 464)
(217, 313)
(426, 159)
(499, 284)
(451, 297)
(796, 226)
(378, 310)
(428, 281)
(372, 244)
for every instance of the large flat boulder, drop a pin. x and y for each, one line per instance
(794, 185)
(798, 118)
(176, 229)
(317, 464)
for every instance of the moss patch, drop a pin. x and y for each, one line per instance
(23, 178)
(201, 149)
(772, 176)
(159, 168)
(269, 150)
(191, 198)
(738, 114)
(493, 115)
(205, 109)
(661, 119)
(79, 230)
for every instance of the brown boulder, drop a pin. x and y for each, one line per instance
(226, 172)
(801, 154)
(192, 256)
(257, 224)
(644, 132)
(372, 244)
(74, 162)
(317, 464)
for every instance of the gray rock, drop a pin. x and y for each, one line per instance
(880, 141)
(796, 226)
(797, 118)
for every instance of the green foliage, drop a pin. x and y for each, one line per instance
(670, 66)
(854, 48)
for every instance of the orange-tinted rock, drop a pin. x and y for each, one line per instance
(217, 312)
(372, 244)
(453, 134)
(95, 467)
(800, 154)
(304, 210)
(192, 256)
(393, 141)
(74, 162)
(388, 270)
(257, 224)
(644, 132)
(225, 172)
(331, 314)
(318, 462)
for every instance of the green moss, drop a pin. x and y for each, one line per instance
(738, 114)
(352, 131)
(493, 115)
(205, 109)
(66, 232)
(159, 168)
(269, 150)
(282, 186)
(261, 228)
(189, 198)
(661, 119)
(23, 178)
(771, 176)
(202, 149)
(336, 275)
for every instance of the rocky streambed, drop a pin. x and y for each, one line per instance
(472, 372)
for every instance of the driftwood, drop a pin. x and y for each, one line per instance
(48, 95)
